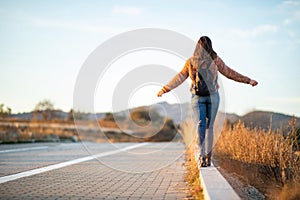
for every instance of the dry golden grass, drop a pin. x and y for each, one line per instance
(274, 152)
(290, 191)
(192, 176)
(108, 124)
(29, 132)
(271, 149)
(195, 190)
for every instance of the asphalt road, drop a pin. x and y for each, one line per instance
(92, 171)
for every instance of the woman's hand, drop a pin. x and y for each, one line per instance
(160, 93)
(253, 82)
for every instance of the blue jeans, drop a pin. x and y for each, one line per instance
(205, 110)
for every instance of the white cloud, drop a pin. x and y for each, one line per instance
(127, 10)
(256, 31)
(63, 24)
(291, 9)
(287, 21)
(24, 17)
(292, 19)
(291, 2)
(264, 29)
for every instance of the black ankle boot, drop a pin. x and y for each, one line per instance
(202, 161)
(208, 161)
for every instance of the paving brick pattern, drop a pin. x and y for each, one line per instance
(118, 176)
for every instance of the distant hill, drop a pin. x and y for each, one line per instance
(266, 120)
(180, 112)
(260, 119)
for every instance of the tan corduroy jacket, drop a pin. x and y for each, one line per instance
(189, 71)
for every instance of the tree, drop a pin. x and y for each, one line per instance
(45, 108)
(140, 115)
(71, 115)
(1, 108)
(4, 111)
(144, 115)
(109, 117)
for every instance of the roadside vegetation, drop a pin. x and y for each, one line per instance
(271, 156)
(47, 124)
(268, 159)
(192, 178)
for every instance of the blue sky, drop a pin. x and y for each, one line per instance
(44, 43)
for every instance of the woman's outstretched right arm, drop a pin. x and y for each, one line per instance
(176, 80)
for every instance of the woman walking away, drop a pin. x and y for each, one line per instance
(203, 69)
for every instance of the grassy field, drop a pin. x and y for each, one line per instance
(103, 130)
(266, 159)
(271, 156)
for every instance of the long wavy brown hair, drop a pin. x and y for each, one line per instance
(204, 46)
(204, 53)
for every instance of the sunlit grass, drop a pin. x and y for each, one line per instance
(274, 152)
(192, 178)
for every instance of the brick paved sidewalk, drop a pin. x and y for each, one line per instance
(103, 179)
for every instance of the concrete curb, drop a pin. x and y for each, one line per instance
(214, 185)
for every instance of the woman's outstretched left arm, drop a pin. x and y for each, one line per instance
(233, 75)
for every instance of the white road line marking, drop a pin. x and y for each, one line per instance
(65, 164)
(23, 149)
